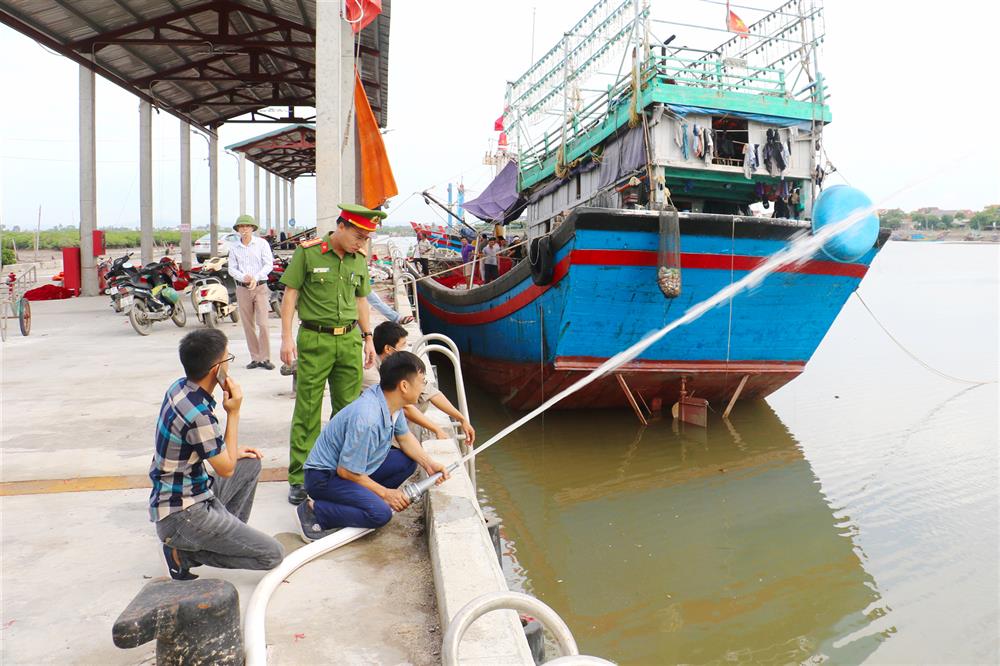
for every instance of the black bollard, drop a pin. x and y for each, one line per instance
(193, 622)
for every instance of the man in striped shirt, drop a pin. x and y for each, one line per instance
(250, 262)
(201, 519)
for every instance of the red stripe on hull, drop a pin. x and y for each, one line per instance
(502, 310)
(737, 262)
(524, 386)
(633, 258)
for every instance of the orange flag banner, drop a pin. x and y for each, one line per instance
(377, 181)
(359, 13)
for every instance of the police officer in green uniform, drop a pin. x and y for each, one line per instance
(327, 281)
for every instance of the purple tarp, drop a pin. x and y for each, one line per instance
(500, 200)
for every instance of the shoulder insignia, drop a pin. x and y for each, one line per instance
(311, 242)
(324, 248)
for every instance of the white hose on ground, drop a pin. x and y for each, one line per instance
(254, 624)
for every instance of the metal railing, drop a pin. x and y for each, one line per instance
(410, 284)
(523, 603)
(448, 348)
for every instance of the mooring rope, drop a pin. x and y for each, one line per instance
(914, 356)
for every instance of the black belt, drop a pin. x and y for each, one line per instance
(332, 330)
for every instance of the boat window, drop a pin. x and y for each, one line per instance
(730, 136)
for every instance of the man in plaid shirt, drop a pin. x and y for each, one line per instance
(201, 519)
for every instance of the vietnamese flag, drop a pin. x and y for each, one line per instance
(498, 124)
(735, 24)
(359, 13)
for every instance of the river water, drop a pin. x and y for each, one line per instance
(851, 517)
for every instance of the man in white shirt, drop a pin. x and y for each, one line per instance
(250, 262)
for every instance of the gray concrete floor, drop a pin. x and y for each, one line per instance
(80, 398)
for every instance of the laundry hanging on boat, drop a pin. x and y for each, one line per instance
(774, 155)
(750, 161)
(684, 140)
(709, 144)
(696, 143)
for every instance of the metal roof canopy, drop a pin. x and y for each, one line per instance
(204, 61)
(289, 152)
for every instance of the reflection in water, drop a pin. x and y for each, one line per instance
(697, 546)
(746, 544)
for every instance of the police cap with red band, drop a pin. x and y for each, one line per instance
(361, 217)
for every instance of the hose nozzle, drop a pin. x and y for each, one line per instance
(415, 490)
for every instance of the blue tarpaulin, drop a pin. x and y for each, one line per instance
(682, 110)
(500, 201)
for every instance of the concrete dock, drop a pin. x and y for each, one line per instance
(80, 398)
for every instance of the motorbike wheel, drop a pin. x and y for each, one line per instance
(210, 319)
(138, 316)
(179, 316)
(276, 303)
(234, 316)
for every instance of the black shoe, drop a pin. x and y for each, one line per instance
(296, 493)
(288, 370)
(309, 527)
(253, 364)
(267, 365)
(177, 571)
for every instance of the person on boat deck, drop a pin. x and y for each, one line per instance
(201, 519)
(422, 253)
(491, 265)
(353, 472)
(390, 338)
(467, 251)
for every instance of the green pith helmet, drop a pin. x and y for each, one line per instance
(246, 219)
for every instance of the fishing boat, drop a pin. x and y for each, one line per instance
(647, 195)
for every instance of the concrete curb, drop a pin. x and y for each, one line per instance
(465, 567)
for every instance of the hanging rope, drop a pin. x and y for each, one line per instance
(914, 356)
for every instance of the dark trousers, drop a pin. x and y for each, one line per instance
(214, 531)
(490, 272)
(338, 502)
(425, 265)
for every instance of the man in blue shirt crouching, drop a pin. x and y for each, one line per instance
(353, 473)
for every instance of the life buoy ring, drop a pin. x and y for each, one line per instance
(541, 259)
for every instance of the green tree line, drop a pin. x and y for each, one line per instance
(53, 239)
(894, 218)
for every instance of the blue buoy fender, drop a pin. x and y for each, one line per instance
(838, 203)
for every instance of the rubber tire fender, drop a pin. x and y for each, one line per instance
(541, 259)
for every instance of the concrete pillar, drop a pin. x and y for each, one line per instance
(213, 193)
(267, 200)
(243, 184)
(284, 205)
(88, 183)
(146, 181)
(185, 195)
(256, 194)
(277, 205)
(291, 198)
(335, 166)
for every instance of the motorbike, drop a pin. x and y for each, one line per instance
(213, 292)
(117, 275)
(154, 298)
(275, 285)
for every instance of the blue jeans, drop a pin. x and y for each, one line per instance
(214, 531)
(376, 302)
(338, 502)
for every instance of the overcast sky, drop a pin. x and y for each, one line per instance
(914, 100)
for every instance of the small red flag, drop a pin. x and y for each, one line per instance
(735, 24)
(498, 124)
(502, 141)
(359, 13)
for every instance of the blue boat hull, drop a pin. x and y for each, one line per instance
(525, 342)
